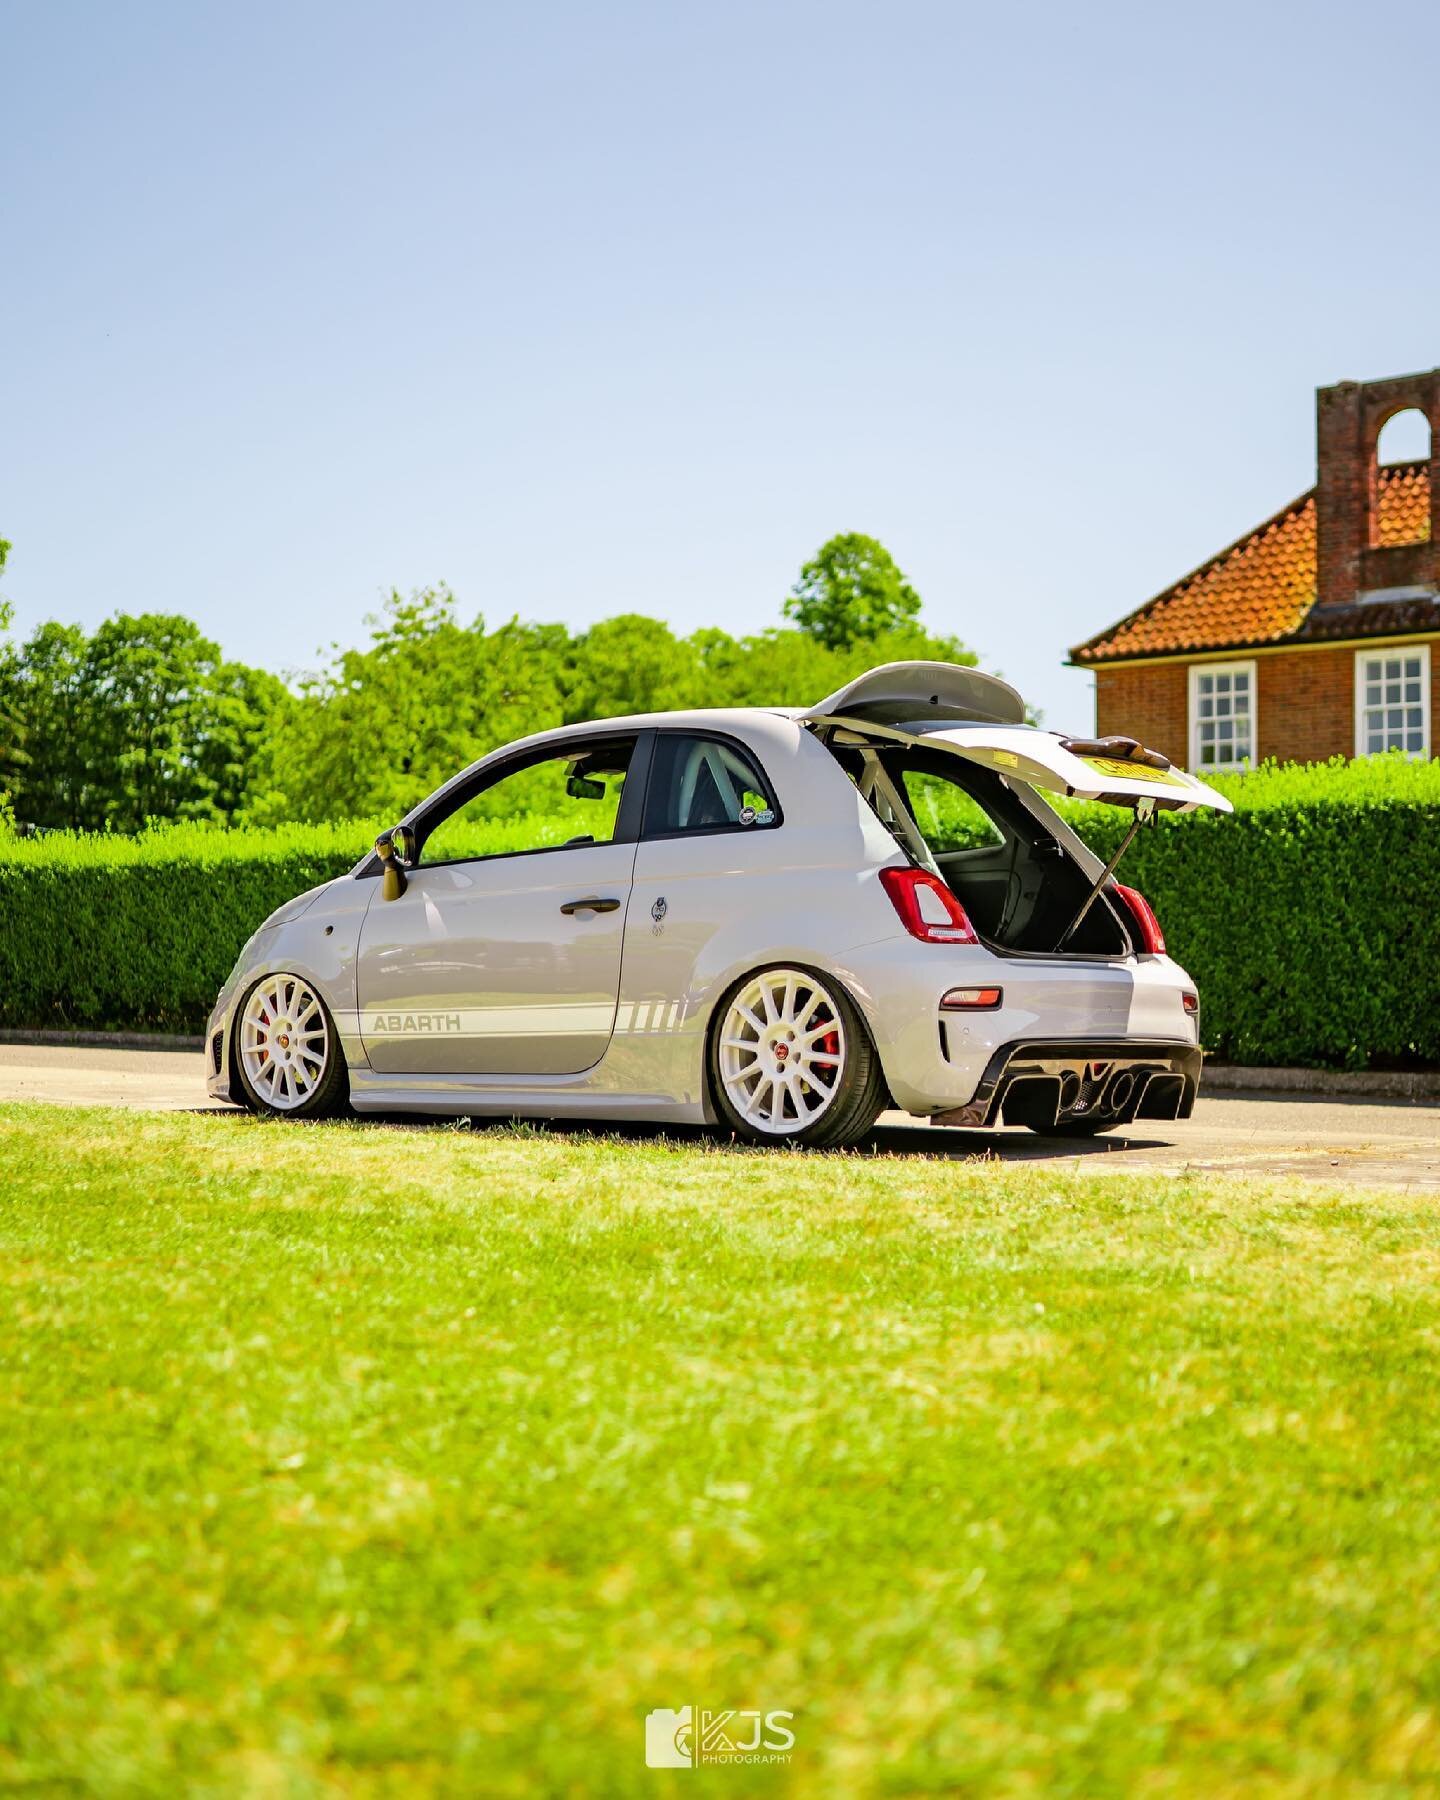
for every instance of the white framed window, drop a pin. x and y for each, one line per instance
(1222, 715)
(1392, 700)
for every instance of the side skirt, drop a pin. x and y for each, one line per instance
(480, 1096)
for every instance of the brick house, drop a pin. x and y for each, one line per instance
(1312, 636)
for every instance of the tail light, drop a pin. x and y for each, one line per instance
(927, 908)
(1152, 938)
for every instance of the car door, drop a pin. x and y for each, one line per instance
(712, 860)
(508, 962)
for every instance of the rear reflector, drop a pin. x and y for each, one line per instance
(1191, 1003)
(927, 908)
(972, 999)
(1152, 938)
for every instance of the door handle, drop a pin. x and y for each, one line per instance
(593, 904)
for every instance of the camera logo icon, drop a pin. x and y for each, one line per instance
(668, 1742)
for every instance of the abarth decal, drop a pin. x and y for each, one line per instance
(392, 1024)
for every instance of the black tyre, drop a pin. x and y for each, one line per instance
(286, 1051)
(790, 1061)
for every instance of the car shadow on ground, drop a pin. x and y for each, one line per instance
(1006, 1146)
(948, 1143)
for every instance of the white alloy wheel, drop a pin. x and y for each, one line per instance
(782, 1051)
(284, 1042)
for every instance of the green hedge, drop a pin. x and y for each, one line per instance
(1310, 918)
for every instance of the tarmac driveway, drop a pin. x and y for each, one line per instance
(1375, 1143)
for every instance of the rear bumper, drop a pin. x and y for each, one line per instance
(938, 1060)
(1046, 1082)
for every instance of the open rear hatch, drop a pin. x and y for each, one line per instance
(931, 712)
(982, 718)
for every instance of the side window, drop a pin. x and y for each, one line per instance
(949, 819)
(704, 784)
(562, 802)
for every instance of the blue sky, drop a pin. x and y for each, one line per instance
(588, 309)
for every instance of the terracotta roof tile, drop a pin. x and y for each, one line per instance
(1404, 509)
(1261, 589)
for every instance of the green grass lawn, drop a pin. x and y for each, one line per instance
(371, 1460)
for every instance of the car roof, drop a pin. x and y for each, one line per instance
(733, 719)
(710, 718)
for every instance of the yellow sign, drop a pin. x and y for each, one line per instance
(1130, 771)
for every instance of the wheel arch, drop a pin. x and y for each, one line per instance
(346, 1019)
(333, 978)
(835, 973)
(245, 987)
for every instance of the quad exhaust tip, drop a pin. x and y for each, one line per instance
(1042, 1101)
(1120, 1091)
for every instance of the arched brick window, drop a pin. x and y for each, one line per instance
(1401, 512)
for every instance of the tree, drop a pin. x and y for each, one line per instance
(143, 720)
(10, 746)
(631, 664)
(231, 722)
(851, 591)
(786, 667)
(45, 756)
(146, 719)
(169, 721)
(383, 725)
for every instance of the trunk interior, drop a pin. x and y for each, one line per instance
(1016, 880)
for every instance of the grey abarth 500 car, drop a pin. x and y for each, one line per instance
(775, 920)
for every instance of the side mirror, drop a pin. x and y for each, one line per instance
(396, 850)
